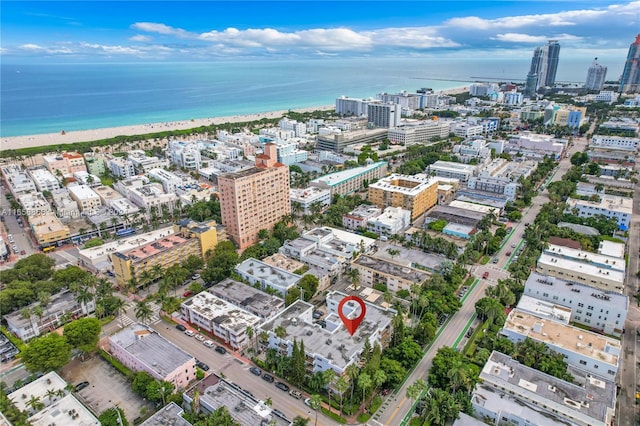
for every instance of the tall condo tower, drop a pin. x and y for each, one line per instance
(596, 76)
(544, 65)
(254, 199)
(630, 81)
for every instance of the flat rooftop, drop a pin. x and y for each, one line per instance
(333, 179)
(586, 269)
(126, 244)
(607, 202)
(456, 215)
(150, 348)
(478, 208)
(247, 297)
(546, 310)
(37, 388)
(604, 261)
(408, 257)
(394, 269)
(309, 193)
(593, 399)
(574, 339)
(59, 302)
(450, 165)
(404, 184)
(171, 415)
(221, 312)
(268, 274)
(154, 248)
(66, 411)
(610, 248)
(82, 192)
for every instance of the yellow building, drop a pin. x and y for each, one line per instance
(193, 239)
(48, 229)
(414, 193)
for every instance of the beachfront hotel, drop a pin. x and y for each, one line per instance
(254, 199)
(352, 180)
(414, 193)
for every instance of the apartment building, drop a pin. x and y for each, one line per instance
(151, 195)
(587, 351)
(448, 169)
(352, 180)
(466, 130)
(186, 155)
(298, 129)
(511, 393)
(384, 114)
(614, 142)
(619, 208)
(597, 259)
(581, 272)
(96, 164)
(496, 185)
(414, 193)
(34, 204)
(47, 229)
(289, 153)
(86, 197)
(168, 180)
(392, 221)
(66, 163)
(84, 178)
(252, 300)
(143, 163)
(347, 106)
(421, 132)
(166, 251)
(44, 179)
(17, 180)
(208, 234)
(358, 217)
(121, 167)
(66, 208)
(330, 347)
(141, 348)
(254, 199)
(336, 140)
(267, 276)
(224, 320)
(306, 197)
(60, 306)
(393, 275)
(602, 311)
(531, 145)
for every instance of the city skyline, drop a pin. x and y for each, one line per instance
(176, 31)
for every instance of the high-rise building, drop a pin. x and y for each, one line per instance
(596, 76)
(384, 115)
(254, 199)
(544, 65)
(630, 81)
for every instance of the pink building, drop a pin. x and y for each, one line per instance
(68, 163)
(254, 199)
(140, 348)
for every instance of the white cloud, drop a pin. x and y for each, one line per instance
(152, 27)
(141, 38)
(526, 38)
(30, 46)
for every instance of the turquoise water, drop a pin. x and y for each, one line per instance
(46, 98)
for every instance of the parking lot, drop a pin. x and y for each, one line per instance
(107, 387)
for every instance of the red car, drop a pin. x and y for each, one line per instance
(485, 275)
(187, 293)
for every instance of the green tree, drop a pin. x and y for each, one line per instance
(143, 311)
(140, 383)
(315, 403)
(298, 363)
(341, 386)
(219, 417)
(415, 390)
(309, 286)
(83, 334)
(364, 383)
(46, 353)
(113, 417)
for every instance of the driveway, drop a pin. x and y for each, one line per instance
(107, 387)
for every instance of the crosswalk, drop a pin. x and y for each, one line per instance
(128, 319)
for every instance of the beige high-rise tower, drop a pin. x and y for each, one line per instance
(254, 199)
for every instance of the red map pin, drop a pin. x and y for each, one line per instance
(352, 324)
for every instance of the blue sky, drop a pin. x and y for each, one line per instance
(204, 30)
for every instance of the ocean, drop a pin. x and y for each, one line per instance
(47, 98)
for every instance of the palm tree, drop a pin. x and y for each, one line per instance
(83, 297)
(50, 393)
(458, 376)
(156, 271)
(280, 332)
(143, 311)
(38, 311)
(249, 332)
(415, 390)
(352, 372)
(35, 404)
(354, 274)
(379, 377)
(315, 403)
(119, 307)
(364, 383)
(26, 313)
(341, 386)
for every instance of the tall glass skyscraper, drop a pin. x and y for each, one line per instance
(544, 66)
(630, 81)
(596, 76)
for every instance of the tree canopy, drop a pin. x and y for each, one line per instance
(46, 353)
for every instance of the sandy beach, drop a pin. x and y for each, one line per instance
(18, 142)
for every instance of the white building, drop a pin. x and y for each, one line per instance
(121, 167)
(84, 178)
(584, 350)
(288, 153)
(44, 179)
(581, 272)
(123, 207)
(418, 133)
(143, 163)
(597, 259)
(18, 181)
(619, 208)
(384, 115)
(592, 307)
(331, 347)
(483, 89)
(512, 98)
(306, 197)
(61, 305)
(299, 129)
(267, 276)
(392, 221)
(185, 155)
(220, 318)
(448, 169)
(252, 300)
(603, 141)
(409, 102)
(86, 197)
(496, 185)
(346, 106)
(66, 208)
(530, 144)
(168, 180)
(511, 393)
(151, 195)
(34, 203)
(358, 217)
(466, 130)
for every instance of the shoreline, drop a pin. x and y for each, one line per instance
(49, 139)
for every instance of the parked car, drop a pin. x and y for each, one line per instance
(200, 338)
(221, 350)
(279, 413)
(307, 402)
(508, 253)
(485, 275)
(514, 245)
(208, 343)
(267, 378)
(22, 252)
(195, 276)
(202, 366)
(282, 386)
(296, 394)
(190, 333)
(181, 327)
(317, 314)
(81, 386)
(495, 260)
(187, 293)
(256, 371)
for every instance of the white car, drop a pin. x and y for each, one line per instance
(189, 333)
(200, 338)
(208, 343)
